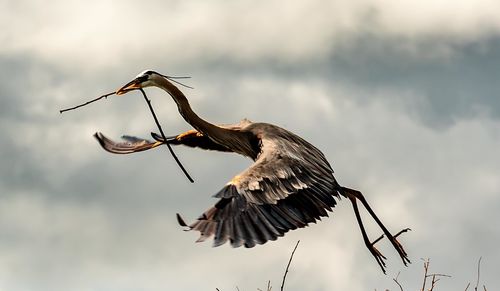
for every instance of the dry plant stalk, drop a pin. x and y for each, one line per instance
(478, 277)
(434, 276)
(286, 271)
(397, 282)
(269, 287)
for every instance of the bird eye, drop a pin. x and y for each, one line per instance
(142, 78)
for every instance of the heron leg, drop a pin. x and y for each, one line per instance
(354, 194)
(371, 246)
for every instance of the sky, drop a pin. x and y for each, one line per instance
(402, 97)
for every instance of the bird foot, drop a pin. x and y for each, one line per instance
(399, 248)
(379, 257)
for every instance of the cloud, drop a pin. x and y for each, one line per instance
(106, 34)
(401, 99)
(125, 205)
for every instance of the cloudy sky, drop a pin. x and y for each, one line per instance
(401, 96)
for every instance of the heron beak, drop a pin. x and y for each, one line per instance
(132, 85)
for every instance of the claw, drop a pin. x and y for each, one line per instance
(399, 248)
(402, 231)
(379, 257)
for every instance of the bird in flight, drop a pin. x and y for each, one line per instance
(289, 185)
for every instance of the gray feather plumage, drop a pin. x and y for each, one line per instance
(289, 186)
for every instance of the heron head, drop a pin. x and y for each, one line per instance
(145, 79)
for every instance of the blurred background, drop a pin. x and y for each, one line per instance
(402, 97)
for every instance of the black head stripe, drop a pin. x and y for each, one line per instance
(142, 78)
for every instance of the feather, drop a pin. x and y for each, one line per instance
(289, 185)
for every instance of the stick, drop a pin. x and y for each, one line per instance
(478, 272)
(164, 138)
(88, 102)
(397, 282)
(286, 271)
(426, 269)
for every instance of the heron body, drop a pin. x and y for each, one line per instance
(289, 185)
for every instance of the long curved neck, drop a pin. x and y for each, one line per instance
(185, 109)
(232, 139)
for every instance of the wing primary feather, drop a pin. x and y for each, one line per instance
(202, 227)
(251, 235)
(268, 229)
(206, 229)
(241, 229)
(180, 220)
(291, 210)
(158, 137)
(263, 235)
(221, 233)
(236, 238)
(292, 223)
(274, 221)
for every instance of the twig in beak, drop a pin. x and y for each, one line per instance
(88, 102)
(172, 78)
(164, 137)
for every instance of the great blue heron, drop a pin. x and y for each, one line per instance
(289, 185)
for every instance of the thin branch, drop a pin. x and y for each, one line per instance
(478, 273)
(164, 137)
(396, 280)
(426, 269)
(438, 275)
(433, 282)
(268, 286)
(289, 261)
(88, 102)
(434, 276)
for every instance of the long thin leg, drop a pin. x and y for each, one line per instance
(376, 253)
(392, 238)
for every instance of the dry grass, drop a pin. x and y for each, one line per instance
(434, 278)
(429, 280)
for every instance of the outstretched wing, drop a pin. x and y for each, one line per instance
(289, 186)
(131, 144)
(190, 138)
